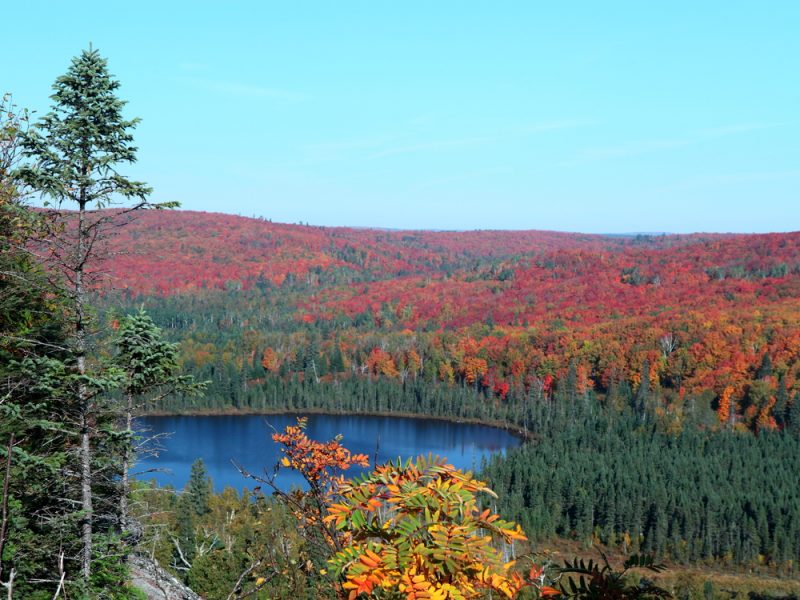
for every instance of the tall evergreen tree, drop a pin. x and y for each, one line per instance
(643, 392)
(793, 415)
(75, 152)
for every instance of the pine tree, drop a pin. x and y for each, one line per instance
(199, 488)
(337, 360)
(150, 367)
(643, 393)
(765, 369)
(185, 540)
(75, 152)
(793, 415)
(781, 408)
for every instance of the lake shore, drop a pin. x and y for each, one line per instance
(517, 431)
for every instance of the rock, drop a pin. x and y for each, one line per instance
(157, 583)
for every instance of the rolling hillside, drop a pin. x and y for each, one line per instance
(703, 314)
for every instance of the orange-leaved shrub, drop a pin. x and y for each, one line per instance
(413, 529)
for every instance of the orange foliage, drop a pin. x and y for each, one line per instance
(765, 421)
(319, 463)
(413, 528)
(474, 369)
(413, 362)
(724, 408)
(381, 362)
(269, 360)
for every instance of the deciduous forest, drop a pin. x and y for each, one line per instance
(687, 323)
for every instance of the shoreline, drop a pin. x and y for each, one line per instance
(515, 430)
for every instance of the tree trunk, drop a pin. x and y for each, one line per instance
(4, 523)
(83, 397)
(126, 462)
(86, 498)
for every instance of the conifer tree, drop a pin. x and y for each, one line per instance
(74, 154)
(793, 415)
(765, 368)
(149, 365)
(199, 488)
(184, 542)
(32, 387)
(642, 394)
(193, 504)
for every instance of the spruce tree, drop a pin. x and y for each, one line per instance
(149, 365)
(74, 154)
(765, 368)
(643, 392)
(793, 415)
(185, 540)
(199, 488)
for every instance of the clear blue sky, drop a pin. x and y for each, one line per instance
(576, 116)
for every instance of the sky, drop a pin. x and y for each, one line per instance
(599, 117)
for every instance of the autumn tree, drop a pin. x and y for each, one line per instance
(414, 528)
(724, 412)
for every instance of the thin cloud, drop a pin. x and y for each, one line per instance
(636, 148)
(193, 67)
(738, 128)
(364, 143)
(436, 145)
(423, 119)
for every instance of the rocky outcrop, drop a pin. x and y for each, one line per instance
(157, 583)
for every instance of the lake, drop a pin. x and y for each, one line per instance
(246, 439)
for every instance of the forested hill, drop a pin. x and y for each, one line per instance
(177, 250)
(504, 312)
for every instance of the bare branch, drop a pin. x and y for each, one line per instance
(180, 555)
(244, 574)
(63, 575)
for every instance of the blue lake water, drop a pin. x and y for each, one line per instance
(219, 440)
